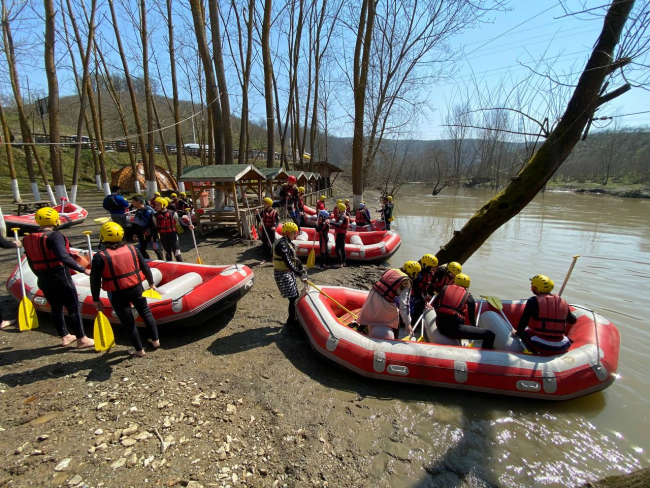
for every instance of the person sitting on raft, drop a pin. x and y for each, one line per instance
(422, 285)
(542, 326)
(388, 301)
(363, 215)
(320, 204)
(347, 207)
(444, 275)
(451, 304)
(286, 266)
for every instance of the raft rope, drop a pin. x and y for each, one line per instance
(593, 314)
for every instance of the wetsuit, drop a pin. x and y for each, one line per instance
(421, 288)
(387, 213)
(323, 230)
(269, 219)
(54, 278)
(289, 197)
(146, 229)
(286, 266)
(122, 298)
(452, 323)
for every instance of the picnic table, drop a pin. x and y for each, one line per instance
(31, 207)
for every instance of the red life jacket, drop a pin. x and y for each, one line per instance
(347, 208)
(444, 281)
(343, 228)
(453, 301)
(121, 268)
(360, 218)
(389, 283)
(41, 258)
(165, 222)
(551, 318)
(300, 204)
(269, 218)
(320, 205)
(421, 284)
(335, 212)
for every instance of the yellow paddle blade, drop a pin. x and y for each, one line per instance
(494, 301)
(152, 294)
(27, 318)
(199, 260)
(311, 259)
(179, 229)
(103, 333)
(101, 220)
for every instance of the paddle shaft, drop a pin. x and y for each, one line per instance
(20, 264)
(196, 248)
(420, 320)
(480, 306)
(321, 291)
(566, 278)
(90, 245)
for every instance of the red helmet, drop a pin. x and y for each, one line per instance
(291, 180)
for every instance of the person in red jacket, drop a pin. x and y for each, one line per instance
(323, 230)
(269, 219)
(363, 215)
(120, 270)
(544, 322)
(444, 275)
(347, 207)
(341, 225)
(451, 305)
(167, 222)
(320, 204)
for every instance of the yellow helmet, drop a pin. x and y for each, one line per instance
(347, 200)
(462, 279)
(454, 268)
(301, 189)
(161, 201)
(174, 195)
(157, 193)
(183, 194)
(429, 260)
(412, 268)
(111, 232)
(47, 216)
(389, 198)
(289, 227)
(167, 199)
(338, 200)
(323, 197)
(268, 200)
(542, 284)
(341, 206)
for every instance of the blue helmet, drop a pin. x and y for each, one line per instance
(324, 214)
(362, 205)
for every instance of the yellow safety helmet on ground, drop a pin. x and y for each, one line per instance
(338, 200)
(412, 268)
(161, 201)
(183, 194)
(429, 260)
(389, 198)
(323, 198)
(454, 268)
(47, 216)
(341, 207)
(174, 195)
(268, 200)
(111, 232)
(462, 279)
(289, 227)
(542, 284)
(301, 189)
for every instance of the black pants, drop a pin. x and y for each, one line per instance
(454, 328)
(417, 308)
(144, 239)
(293, 318)
(121, 302)
(387, 224)
(59, 291)
(169, 243)
(324, 251)
(340, 248)
(267, 238)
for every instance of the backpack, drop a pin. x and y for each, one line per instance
(111, 205)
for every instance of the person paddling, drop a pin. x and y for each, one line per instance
(120, 270)
(543, 325)
(48, 255)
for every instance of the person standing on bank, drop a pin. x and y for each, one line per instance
(341, 225)
(166, 222)
(117, 205)
(48, 255)
(269, 220)
(387, 211)
(143, 219)
(323, 231)
(120, 270)
(286, 266)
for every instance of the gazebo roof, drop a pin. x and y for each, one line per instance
(298, 174)
(274, 173)
(221, 173)
(312, 176)
(319, 164)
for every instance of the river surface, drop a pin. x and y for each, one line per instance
(484, 439)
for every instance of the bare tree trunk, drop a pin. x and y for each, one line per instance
(210, 83)
(268, 85)
(210, 139)
(93, 152)
(162, 140)
(220, 71)
(10, 157)
(587, 97)
(101, 148)
(53, 100)
(151, 183)
(134, 100)
(177, 111)
(364, 38)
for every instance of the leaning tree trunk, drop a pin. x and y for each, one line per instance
(53, 100)
(10, 157)
(587, 97)
(268, 85)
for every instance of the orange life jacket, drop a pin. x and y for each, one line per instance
(121, 268)
(453, 301)
(360, 218)
(421, 283)
(39, 256)
(320, 205)
(269, 218)
(551, 318)
(165, 222)
(342, 228)
(389, 284)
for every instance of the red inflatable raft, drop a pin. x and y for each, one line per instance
(359, 246)
(69, 214)
(191, 293)
(311, 219)
(589, 365)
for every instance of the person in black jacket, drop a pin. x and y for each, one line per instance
(286, 266)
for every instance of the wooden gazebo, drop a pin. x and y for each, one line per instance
(231, 182)
(328, 173)
(275, 177)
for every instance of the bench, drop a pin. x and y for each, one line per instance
(31, 207)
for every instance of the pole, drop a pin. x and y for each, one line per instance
(90, 246)
(566, 278)
(20, 263)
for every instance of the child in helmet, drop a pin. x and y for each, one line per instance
(166, 222)
(269, 220)
(451, 305)
(543, 324)
(422, 285)
(323, 230)
(388, 302)
(120, 270)
(444, 275)
(289, 198)
(320, 204)
(286, 266)
(341, 225)
(48, 255)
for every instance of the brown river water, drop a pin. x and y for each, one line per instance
(517, 442)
